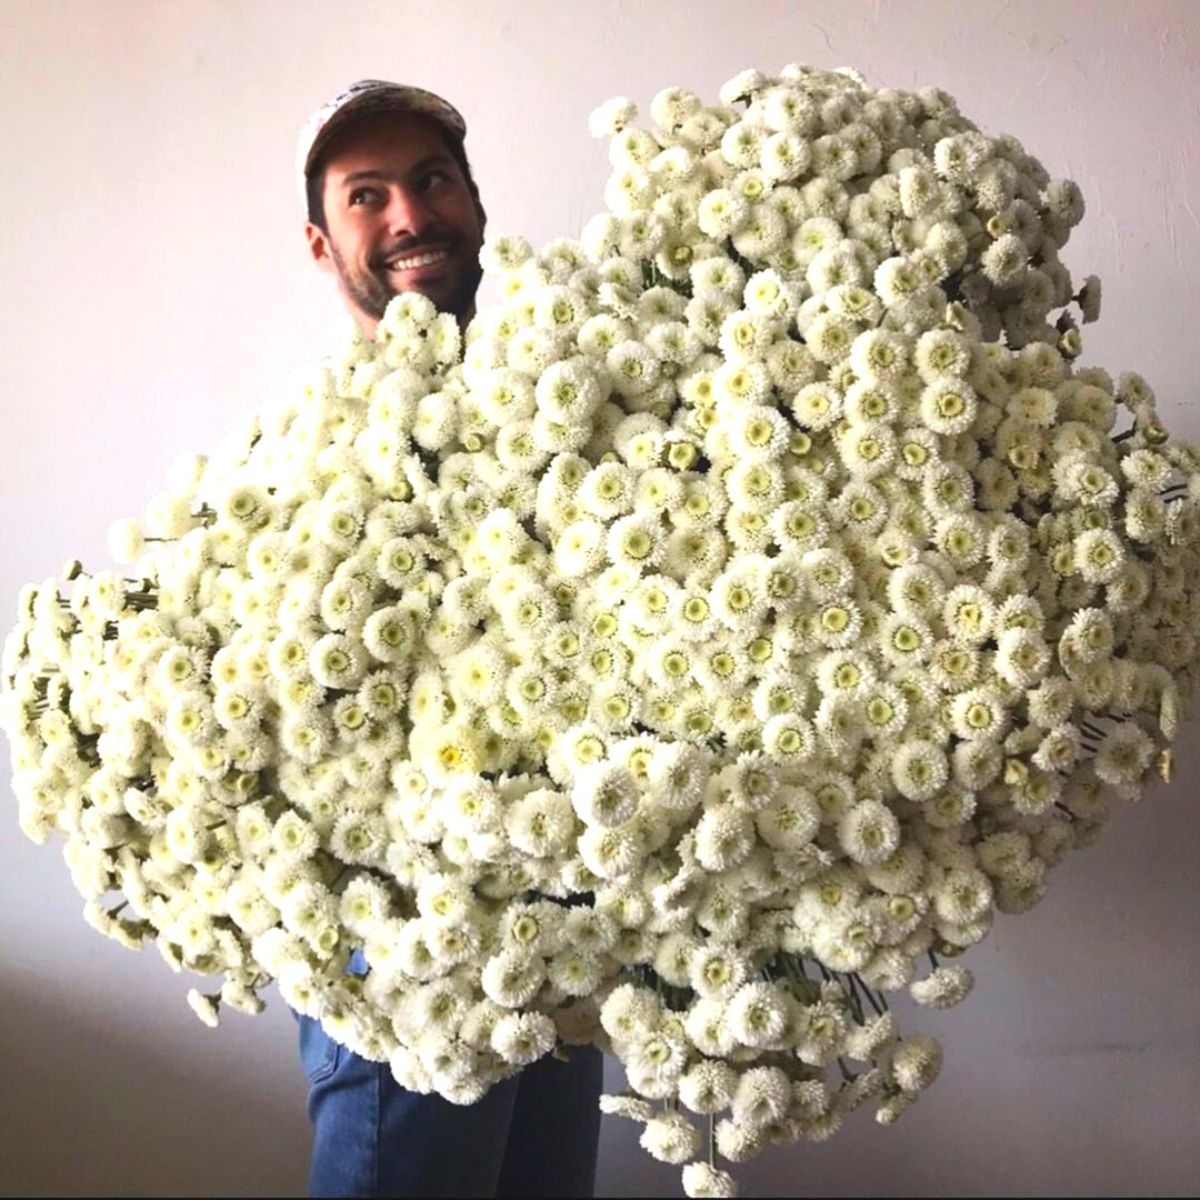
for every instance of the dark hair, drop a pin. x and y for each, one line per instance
(315, 181)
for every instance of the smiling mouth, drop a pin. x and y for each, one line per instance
(411, 262)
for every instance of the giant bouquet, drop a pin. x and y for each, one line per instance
(756, 601)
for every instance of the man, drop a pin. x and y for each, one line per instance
(391, 203)
(392, 207)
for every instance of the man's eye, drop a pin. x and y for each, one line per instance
(434, 178)
(360, 192)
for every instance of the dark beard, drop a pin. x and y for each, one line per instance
(372, 293)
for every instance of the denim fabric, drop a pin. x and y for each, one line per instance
(534, 1135)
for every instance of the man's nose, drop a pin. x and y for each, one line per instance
(408, 213)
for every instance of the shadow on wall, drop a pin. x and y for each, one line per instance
(87, 1108)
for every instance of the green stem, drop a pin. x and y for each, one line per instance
(855, 999)
(870, 996)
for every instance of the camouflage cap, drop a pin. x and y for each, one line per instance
(369, 95)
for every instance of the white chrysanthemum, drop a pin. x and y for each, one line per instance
(753, 487)
(1099, 555)
(636, 541)
(610, 852)
(580, 549)
(567, 391)
(767, 293)
(632, 1107)
(707, 1028)
(292, 837)
(830, 337)
(628, 1010)
(125, 540)
(523, 1038)
(817, 406)
(785, 155)
(1005, 261)
(605, 794)
(879, 356)
(359, 838)
(701, 1179)
(821, 1030)
(745, 336)
(712, 277)
(512, 977)
(968, 612)
(337, 661)
(905, 640)
(744, 385)
(916, 1063)
(708, 1086)
(943, 988)
(964, 895)
(724, 836)
(611, 117)
(670, 1138)
(948, 406)
(941, 352)
(653, 1061)
(868, 450)
(1124, 755)
(723, 912)
(541, 823)
(979, 713)
(757, 433)
(763, 1097)
(633, 367)
(919, 770)
(789, 822)
(574, 972)
(869, 833)
(676, 776)
(865, 1041)
(741, 143)
(799, 525)
(504, 253)
(758, 1014)
(1022, 657)
(721, 213)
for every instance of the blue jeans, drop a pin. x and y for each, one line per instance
(534, 1135)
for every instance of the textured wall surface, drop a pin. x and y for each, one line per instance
(156, 285)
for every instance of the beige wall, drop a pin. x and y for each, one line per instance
(155, 285)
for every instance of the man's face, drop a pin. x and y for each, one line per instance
(401, 218)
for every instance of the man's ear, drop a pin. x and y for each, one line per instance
(318, 246)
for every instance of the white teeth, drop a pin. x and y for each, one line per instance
(420, 260)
